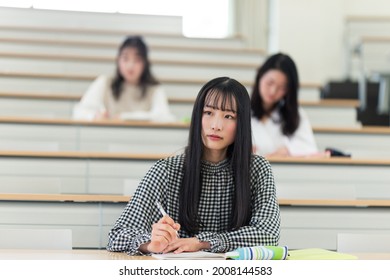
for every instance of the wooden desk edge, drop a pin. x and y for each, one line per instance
(154, 157)
(126, 198)
(63, 197)
(335, 202)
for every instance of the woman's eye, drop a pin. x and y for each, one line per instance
(207, 112)
(138, 59)
(123, 57)
(229, 117)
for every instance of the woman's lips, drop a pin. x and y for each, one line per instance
(214, 137)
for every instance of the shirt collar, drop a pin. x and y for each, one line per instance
(215, 167)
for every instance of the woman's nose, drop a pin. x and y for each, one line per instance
(216, 124)
(273, 90)
(130, 64)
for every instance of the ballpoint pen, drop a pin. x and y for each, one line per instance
(162, 211)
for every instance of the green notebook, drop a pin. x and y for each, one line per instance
(318, 254)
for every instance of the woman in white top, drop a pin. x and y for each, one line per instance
(279, 126)
(132, 93)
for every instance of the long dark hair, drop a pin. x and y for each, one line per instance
(288, 106)
(147, 78)
(226, 90)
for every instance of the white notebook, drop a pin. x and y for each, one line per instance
(200, 255)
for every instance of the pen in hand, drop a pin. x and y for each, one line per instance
(162, 211)
(159, 206)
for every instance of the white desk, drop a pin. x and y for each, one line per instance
(106, 255)
(9, 254)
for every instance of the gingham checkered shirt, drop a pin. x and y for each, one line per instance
(162, 183)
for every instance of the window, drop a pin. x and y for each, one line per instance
(201, 18)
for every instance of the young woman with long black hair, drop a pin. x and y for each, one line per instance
(280, 126)
(218, 195)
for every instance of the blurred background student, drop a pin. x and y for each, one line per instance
(132, 93)
(279, 126)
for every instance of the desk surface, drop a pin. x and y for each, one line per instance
(8, 254)
(21, 254)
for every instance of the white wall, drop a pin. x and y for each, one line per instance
(312, 32)
(250, 21)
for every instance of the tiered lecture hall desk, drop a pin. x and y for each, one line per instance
(61, 134)
(334, 113)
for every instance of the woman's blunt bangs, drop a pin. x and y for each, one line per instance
(221, 99)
